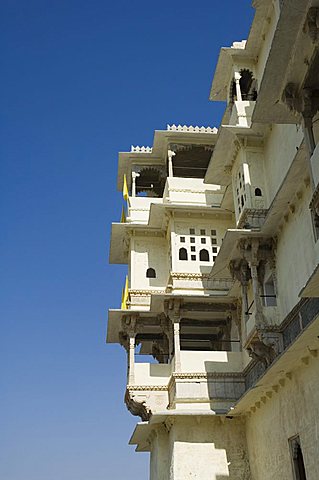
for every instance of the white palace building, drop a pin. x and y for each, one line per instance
(220, 235)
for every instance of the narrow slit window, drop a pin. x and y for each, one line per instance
(298, 464)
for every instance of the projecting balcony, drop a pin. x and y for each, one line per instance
(206, 380)
(139, 209)
(192, 191)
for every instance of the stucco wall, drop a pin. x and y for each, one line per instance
(294, 410)
(208, 449)
(148, 252)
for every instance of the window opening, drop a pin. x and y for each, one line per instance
(258, 192)
(204, 255)
(213, 232)
(214, 249)
(203, 240)
(298, 464)
(192, 231)
(150, 273)
(270, 299)
(192, 239)
(183, 254)
(193, 257)
(193, 249)
(214, 241)
(203, 232)
(182, 239)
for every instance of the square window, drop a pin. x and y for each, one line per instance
(182, 239)
(203, 240)
(203, 232)
(192, 239)
(214, 249)
(192, 249)
(213, 232)
(192, 231)
(193, 257)
(214, 241)
(214, 258)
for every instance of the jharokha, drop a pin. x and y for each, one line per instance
(220, 308)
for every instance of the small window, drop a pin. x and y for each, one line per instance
(213, 232)
(242, 201)
(192, 231)
(214, 258)
(204, 255)
(203, 232)
(193, 249)
(183, 254)
(182, 239)
(297, 459)
(193, 257)
(214, 249)
(203, 240)
(150, 273)
(192, 239)
(258, 192)
(214, 241)
(270, 299)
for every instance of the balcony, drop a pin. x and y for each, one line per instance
(192, 191)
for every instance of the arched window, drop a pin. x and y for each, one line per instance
(150, 273)
(204, 255)
(183, 254)
(258, 192)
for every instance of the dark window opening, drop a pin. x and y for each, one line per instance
(214, 241)
(213, 232)
(204, 255)
(183, 254)
(192, 231)
(182, 239)
(193, 249)
(297, 459)
(150, 273)
(248, 87)
(193, 257)
(203, 232)
(258, 192)
(203, 240)
(192, 239)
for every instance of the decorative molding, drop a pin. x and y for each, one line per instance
(190, 128)
(141, 149)
(145, 388)
(143, 293)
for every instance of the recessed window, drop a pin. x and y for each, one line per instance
(298, 464)
(192, 231)
(182, 239)
(203, 232)
(214, 258)
(214, 241)
(150, 273)
(182, 254)
(258, 192)
(193, 249)
(204, 255)
(213, 233)
(203, 240)
(192, 239)
(214, 249)
(193, 257)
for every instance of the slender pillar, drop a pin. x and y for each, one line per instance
(237, 77)
(257, 299)
(131, 359)
(170, 154)
(134, 176)
(177, 346)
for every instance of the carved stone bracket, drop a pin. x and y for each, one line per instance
(135, 407)
(311, 26)
(265, 346)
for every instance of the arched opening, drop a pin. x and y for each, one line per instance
(150, 273)
(258, 192)
(183, 254)
(204, 255)
(248, 87)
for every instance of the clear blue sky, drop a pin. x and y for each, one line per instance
(81, 81)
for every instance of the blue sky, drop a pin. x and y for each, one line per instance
(81, 81)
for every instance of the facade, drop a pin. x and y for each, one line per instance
(221, 242)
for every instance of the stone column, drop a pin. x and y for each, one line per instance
(131, 359)
(177, 346)
(134, 176)
(170, 154)
(237, 78)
